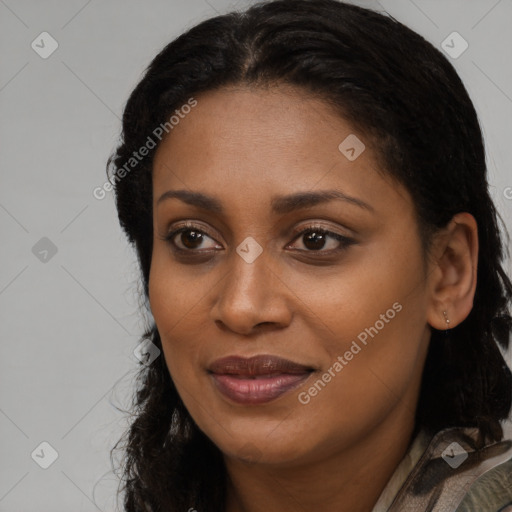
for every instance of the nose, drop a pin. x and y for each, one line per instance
(251, 298)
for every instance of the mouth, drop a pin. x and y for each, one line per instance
(258, 379)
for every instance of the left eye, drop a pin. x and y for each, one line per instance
(315, 239)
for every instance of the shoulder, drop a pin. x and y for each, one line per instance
(452, 475)
(491, 492)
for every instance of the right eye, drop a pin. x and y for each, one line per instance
(189, 238)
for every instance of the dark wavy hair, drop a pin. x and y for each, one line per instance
(408, 101)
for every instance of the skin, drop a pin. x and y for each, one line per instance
(245, 146)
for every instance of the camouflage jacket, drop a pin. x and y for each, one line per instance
(446, 473)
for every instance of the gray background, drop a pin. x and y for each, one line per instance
(69, 320)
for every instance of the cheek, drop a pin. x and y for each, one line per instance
(360, 297)
(175, 304)
(175, 291)
(373, 366)
(373, 316)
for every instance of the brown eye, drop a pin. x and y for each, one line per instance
(190, 239)
(316, 239)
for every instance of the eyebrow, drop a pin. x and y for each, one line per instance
(280, 204)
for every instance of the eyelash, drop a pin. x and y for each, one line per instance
(344, 241)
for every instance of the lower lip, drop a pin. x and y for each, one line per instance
(259, 390)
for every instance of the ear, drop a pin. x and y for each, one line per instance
(453, 272)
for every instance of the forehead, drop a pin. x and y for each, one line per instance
(247, 145)
(280, 122)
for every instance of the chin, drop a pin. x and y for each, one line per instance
(258, 449)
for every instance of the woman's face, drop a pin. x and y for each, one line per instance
(256, 275)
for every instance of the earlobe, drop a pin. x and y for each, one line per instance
(453, 273)
(447, 320)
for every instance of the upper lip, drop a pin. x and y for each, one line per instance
(264, 364)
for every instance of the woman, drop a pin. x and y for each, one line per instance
(305, 186)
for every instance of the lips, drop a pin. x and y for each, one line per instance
(257, 379)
